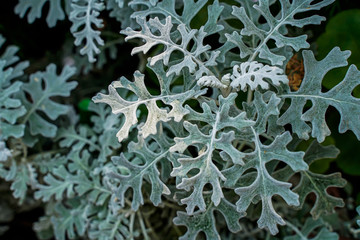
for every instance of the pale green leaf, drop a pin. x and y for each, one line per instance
(339, 97)
(274, 28)
(138, 172)
(40, 99)
(10, 107)
(264, 185)
(33, 9)
(209, 143)
(84, 15)
(206, 222)
(155, 113)
(307, 231)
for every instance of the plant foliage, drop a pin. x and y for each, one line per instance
(208, 132)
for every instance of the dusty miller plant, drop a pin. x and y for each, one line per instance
(214, 148)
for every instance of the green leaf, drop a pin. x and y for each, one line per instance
(69, 218)
(317, 183)
(206, 222)
(59, 182)
(274, 28)
(25, 176)
(76, 141)
(35, 8)
(12, 61)
(84, 15)
(168, 8)
(105, 125)
(307, 231)
(137, 173)
(10, 107)
(261, 110)
(192, 58)
(112, 226)
(40, 99)
(155, 114)
(217, 119)
(22, 175)
(84, 104)
(264, 185)
(339, 97)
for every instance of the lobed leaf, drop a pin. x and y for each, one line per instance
(265, 186)
(68, 219)
(206, 222)
(40, 99)
(307, 230)
(339, 97)
(33, 9)
(10, 107)
(155, 114)
(274, 28)
(137, 173)
(317, 183)
(191, 58)
(85, 15)
(252, 74)
(215, 139)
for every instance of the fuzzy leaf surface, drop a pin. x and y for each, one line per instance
(206, 221)
(33, 9)
(339, 97)
(55, 85)
(137, 173)
(85, 15)
(252, 74)
(191, 58)
(10, 107)
(155, 113)
(275, 27)
(264, 185)
(308, 229)
(217, 120)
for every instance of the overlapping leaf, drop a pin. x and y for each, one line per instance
(113, 226)
(40, 99)
(148, 158)
(85, 15)
(213, 140)
(69, 220)
(77, 140)
(22, 176)
(10, 107)
(77, 180)
(5, 153)
(106, 125)
(12, 61)
(191, 58)
(307, 230)
(265, 186)
(275, 28)
(206, 222)
(317, 183)
(339, 97)
(190, 9)
(155, 114)
(261, 111)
